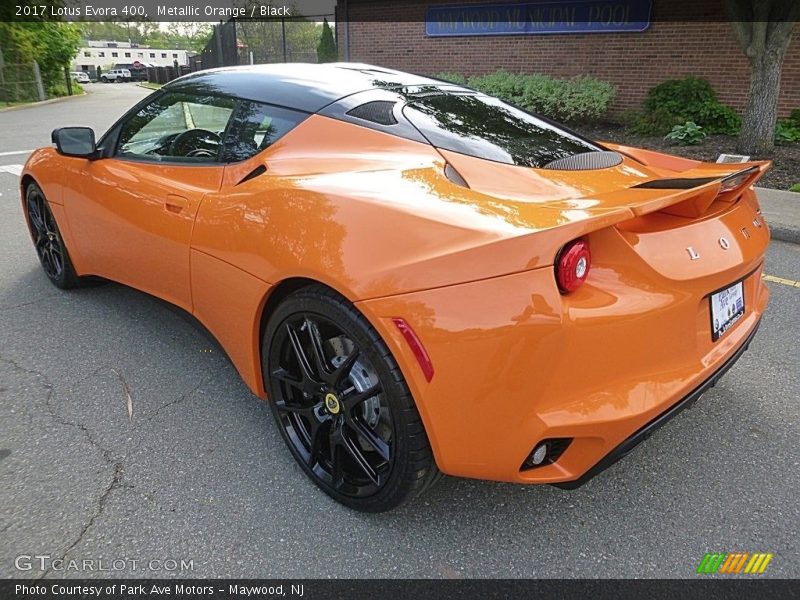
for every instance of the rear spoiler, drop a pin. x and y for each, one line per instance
(691, 196)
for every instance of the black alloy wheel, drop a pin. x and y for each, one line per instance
(342, 405)
(47, 239)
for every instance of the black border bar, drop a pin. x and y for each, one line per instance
(352, 10)
(701, 587)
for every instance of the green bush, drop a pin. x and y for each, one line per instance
(55, 90)
(787, 132)
(795, 188)
(452, 78)
(677, 101)
(688, 134)
(794, 116)
(578, 99)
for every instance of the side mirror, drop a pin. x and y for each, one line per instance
(75, 141)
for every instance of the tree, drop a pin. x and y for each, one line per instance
(764, 30)
(52, 44)
(326, 50)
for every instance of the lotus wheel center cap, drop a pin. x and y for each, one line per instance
(332, 403)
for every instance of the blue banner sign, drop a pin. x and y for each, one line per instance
(538, 18)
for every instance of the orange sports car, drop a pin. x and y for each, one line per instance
(421, 278)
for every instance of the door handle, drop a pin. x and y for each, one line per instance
(175, 203)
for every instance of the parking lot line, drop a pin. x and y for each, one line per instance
(15, 152)
(13, 169)
(782, 280)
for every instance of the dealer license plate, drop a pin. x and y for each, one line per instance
(727, 307)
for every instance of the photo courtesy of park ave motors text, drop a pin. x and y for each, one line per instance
(375, 290)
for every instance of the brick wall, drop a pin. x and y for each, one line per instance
(634, 62)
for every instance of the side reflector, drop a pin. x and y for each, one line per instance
(416, 347)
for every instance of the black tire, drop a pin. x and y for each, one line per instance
(378, 455)
(47, 240)
(104, 79)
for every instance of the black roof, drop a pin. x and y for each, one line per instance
(306, 87)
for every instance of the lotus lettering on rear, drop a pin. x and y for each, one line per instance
(693, 255)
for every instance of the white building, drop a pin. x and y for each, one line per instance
(107, 54)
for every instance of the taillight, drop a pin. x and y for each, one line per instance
(731, 182)
(416, 346)
(572, 266)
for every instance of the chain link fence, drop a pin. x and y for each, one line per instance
(287, 40)
(20, 82)
(291, 39)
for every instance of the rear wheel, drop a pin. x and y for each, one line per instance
(47, 239)
(342, 405)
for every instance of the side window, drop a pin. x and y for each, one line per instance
(256, 126)
(177, 127)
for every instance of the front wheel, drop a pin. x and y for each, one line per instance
(342, 404)
(47, 240)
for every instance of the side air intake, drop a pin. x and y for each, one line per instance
(378, 111)
(586, 161)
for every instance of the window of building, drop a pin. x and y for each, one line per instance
(163, 55)
(114, 54)
(174, 55)
(87, 53)
(127, 55)
(152, 55)
(101, 54)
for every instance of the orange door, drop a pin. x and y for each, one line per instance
(133, 222)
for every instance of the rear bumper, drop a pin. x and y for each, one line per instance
(516, 362)
(645, 432)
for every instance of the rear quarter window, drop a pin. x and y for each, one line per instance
(486, 127)
(257, 126)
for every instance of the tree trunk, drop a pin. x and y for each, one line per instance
(757, 137)
(764, 30)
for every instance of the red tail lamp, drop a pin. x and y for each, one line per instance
(572, 265)
(416, 346)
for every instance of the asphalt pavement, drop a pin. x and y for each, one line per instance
(199, 473)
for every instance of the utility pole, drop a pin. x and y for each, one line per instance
(283, 31)
(218, 37)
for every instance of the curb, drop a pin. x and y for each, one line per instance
(40, 103)
(782, 233)
(781, 210)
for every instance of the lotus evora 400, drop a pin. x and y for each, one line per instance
(420, 278)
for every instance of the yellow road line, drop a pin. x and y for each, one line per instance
(783, 280)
